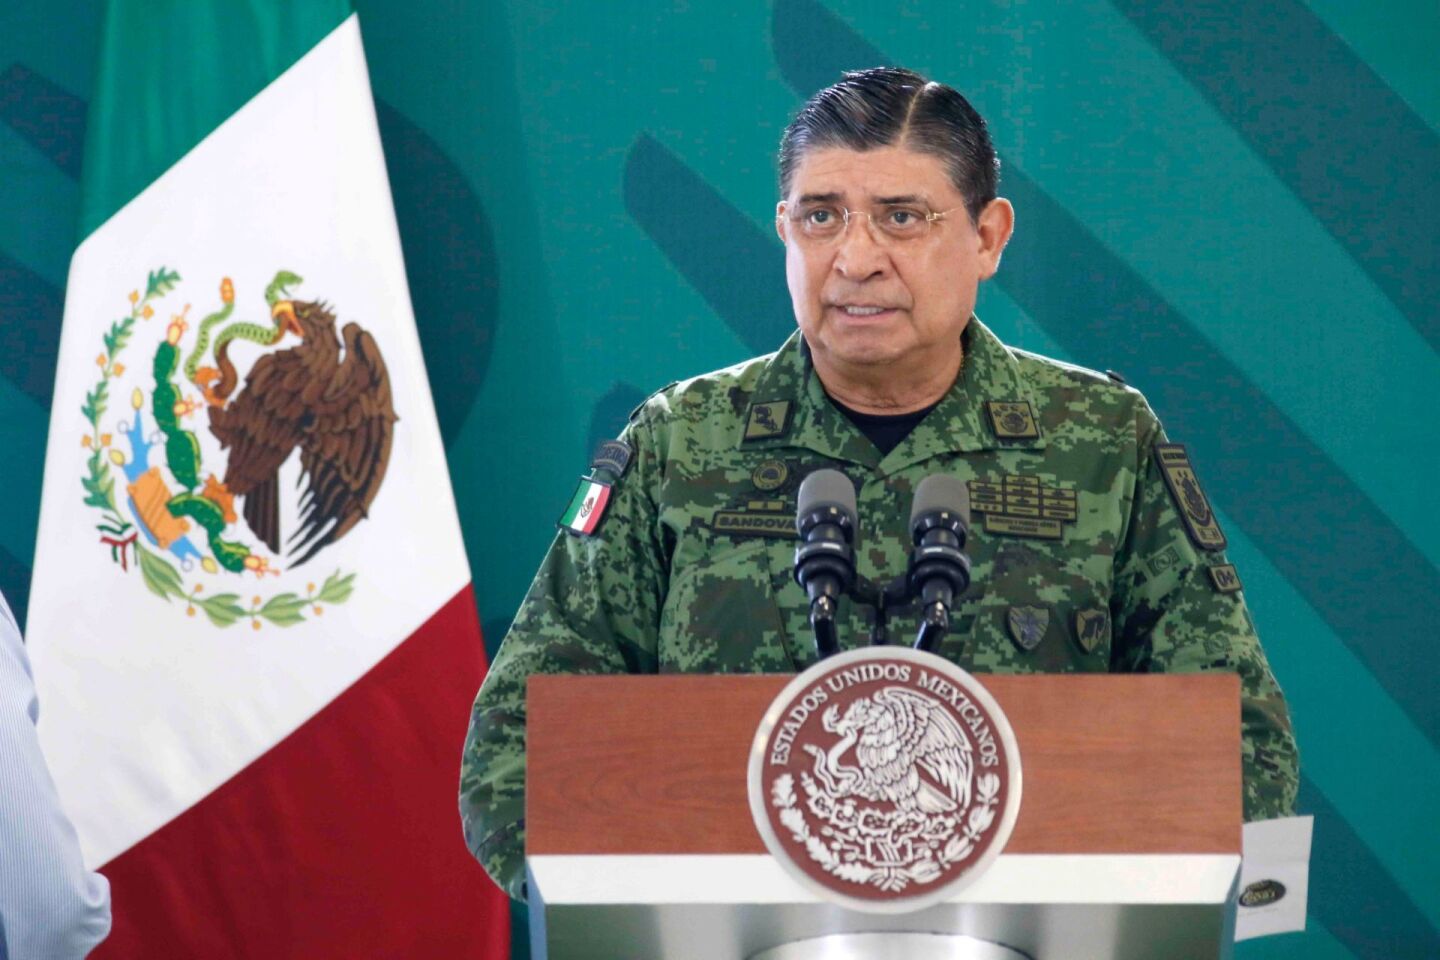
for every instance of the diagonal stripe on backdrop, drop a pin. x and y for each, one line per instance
(450, 262)
(50, 117)
(745, 286)
(1342, 140)
(22, 440)
(30, 336)
(15, 585)
(1354, 895)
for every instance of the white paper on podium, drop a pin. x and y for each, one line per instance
(1274, 877)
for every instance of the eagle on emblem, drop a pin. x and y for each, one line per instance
(329, 396)
(1194, 499)
(897, 735)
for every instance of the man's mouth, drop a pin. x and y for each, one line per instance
(862, 310)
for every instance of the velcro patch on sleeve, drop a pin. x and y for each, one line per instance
(1224, 578)
(587, 508)
(1190, 500)
(614, 456)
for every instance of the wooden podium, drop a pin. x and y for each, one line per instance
(641, 843)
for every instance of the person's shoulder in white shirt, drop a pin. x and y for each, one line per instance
(50, 905)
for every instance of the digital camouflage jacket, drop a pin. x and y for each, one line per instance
(1093, 549)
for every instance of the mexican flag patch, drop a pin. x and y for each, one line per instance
(586, 508)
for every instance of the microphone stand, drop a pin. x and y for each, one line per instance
(896, 593)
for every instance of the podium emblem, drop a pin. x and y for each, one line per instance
(885, 779)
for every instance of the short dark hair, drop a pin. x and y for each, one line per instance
(885, 106)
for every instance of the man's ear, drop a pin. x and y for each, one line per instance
(994, 225)
(780, 220)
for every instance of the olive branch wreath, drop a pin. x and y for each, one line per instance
(960, 845)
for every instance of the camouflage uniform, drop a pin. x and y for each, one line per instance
(1077, 548)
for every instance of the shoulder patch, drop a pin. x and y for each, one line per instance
(1012, 420)
(1224, 578)
(587, 508)
(768, 419)
(614, 456)
(1190, 500)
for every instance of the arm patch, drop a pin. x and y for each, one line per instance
(1190, 500)
(614, 456)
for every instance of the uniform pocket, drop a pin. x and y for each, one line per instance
(721, 615)
(1037, 608)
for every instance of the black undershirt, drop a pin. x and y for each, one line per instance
(885, 430)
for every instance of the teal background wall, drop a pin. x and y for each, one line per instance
(1234, 204)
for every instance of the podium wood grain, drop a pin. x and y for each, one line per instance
(657, 764)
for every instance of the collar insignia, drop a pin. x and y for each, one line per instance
(767, 420)
(1012, 420)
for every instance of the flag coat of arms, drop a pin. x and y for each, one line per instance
(252, 624)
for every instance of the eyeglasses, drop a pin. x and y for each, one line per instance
(820, 224)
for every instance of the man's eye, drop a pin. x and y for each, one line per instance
(821, 216)
(904, 218)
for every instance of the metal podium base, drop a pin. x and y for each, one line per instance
(891, 946)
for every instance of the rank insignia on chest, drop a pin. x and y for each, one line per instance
(1012, 420)
(1027, 625)
(757, 518)
(1091, 627)
(1023, 507)
(1224, 578)
(587, 508)
(767, 420)
(1189, 499)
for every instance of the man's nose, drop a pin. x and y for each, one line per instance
(859, 256)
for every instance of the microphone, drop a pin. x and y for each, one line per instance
(825, 560)
(939, 569)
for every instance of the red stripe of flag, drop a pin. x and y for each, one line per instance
(343, 840)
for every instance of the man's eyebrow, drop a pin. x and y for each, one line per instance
(831, 197)
(904, 198)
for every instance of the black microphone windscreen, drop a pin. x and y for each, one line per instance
(937, 492)
(827, 488)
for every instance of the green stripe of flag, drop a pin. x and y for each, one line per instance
(172, 71)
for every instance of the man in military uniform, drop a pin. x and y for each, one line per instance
(1093, 546)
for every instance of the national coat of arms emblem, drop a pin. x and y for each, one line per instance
(885, 779)
(312, 392)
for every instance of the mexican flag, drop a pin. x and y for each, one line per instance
(252, 624)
